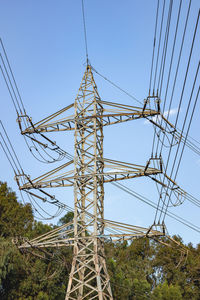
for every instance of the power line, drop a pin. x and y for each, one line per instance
(10, 144)
(85, 33)
(159, 43)
(9, 66)
(181, 97)
(154, 46)
(89, 185)
(16, 99)
(172, 56)
(185, 138)
(120, 186)
(186, 74)
(165, 46)
(161, 73)
(177, 69)
(9, 91)
(155, 131)
(11, 164)
(117, 86)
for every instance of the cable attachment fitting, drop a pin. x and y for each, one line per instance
(157, 101)
(155, 160)
(157, 227)
(26, 120)
(146, 101)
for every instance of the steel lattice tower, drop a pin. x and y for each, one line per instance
(89, 259)
(89, 278)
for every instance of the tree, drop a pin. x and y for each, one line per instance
(143, 269)
(67, 218)
(16, 219)
(24, 276)
(166, 292)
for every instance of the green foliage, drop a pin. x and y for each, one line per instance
(67, 218)
(38, 228)
(15, 218)
(26, 276)
(166, 292)
(141, 270)
(10, 260)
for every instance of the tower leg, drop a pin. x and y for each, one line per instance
(89, 278)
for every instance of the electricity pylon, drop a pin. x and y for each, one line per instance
(89, 278)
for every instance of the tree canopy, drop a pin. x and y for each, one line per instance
(143, 269)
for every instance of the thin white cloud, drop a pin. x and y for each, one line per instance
(172, 112)
(167, 113)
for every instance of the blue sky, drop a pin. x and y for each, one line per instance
(45, 45)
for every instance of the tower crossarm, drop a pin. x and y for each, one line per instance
(64, 235)
(55, 178)
(118, 170)
(50, 123)
(114, 231)
(113, 171)
(126, 231)
(112, 113)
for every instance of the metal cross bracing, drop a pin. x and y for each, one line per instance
(87, 173)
